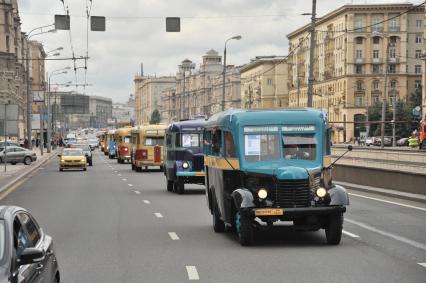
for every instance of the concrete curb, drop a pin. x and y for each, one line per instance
(23, 175)
(384, 192)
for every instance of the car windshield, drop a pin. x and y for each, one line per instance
(2, 239)
(154, 141)
(72, 153)
(84, 147)
(299, 146)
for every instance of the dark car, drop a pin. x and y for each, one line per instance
(17, 154)
(87, 150)
(27, 254)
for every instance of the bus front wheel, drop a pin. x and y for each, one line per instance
(169, 186)
(245, 229)
(180, 186)
(333, 230)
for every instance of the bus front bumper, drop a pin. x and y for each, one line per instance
(190, 174)
(293, 213)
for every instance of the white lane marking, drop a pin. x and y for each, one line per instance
(137, 192)
(115, 171)
(422, 264)
(158, 215)
(146, 201)
(388, 201)
(118, 174)
(124, 179)
(130, 185)
(192, 272)
(173, 236)
(350, 234)
(389, 235)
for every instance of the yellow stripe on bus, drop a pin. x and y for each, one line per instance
(221, 163)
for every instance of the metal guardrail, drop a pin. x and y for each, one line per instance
(386, 149)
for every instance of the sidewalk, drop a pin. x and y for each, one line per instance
(16, 172)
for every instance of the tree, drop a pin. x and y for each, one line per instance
(155, 117)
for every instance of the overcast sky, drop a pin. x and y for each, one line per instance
(136, 34)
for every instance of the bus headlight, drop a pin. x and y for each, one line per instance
(185, 165)
(321, 192)
(262, 194)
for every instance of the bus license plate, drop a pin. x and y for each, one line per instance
(269, 211)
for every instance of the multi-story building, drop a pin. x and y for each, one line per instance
(13, 75)
(100, 109)
(148, 95)
(200, 91)
(352, 44)
(168, 105)
(70, 110)
(123, 114)
(38, 84)
(264, 82)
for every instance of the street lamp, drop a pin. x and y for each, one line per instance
(49, 120)
(29, 100)
(237, 37)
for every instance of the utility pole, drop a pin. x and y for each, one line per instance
(29, 97)
(41, 143)
(384, 102)
(394, 117)
(367, 124)
(298, 91)
(5, 137)
(182, 96)
(311, 55)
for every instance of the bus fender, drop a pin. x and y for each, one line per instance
(243, 198)
(338, 195)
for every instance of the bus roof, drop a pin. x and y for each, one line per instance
(242, 117)
(195, 125)
(123, 131)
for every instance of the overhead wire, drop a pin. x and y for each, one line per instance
(67, 12)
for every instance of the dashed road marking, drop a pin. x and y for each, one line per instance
(388, 201)
(192, 272)
(158, 215)
(137, 192)
(115, 171)
(118, 174)
(350, 234)
(389, 235)
(422, 264)
(124, 179)
(146, 201)
(173, 236)
(130, 185)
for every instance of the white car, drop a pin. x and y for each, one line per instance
(369, 141)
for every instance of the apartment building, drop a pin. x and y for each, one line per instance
(264, 82)
(351, 47)
(424, 68)
(148, 95)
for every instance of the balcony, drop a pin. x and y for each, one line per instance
(359, 60)
(377, 60)
(394, 60)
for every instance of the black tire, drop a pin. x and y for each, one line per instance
(245, 229)
(61, 169)
(170, 186)
(180, 186)
(333, 230)
(133, 167)
(118, 160)
(218, 224)
(84, 169)
(138, 169)
(27, 160)
(13, 163)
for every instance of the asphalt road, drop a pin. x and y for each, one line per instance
(111, 224)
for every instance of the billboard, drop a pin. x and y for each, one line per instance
(9, 120)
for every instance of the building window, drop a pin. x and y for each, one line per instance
(418, 69)
(376, 54)
(358, 40)
(376, 69)
(359, 54)
(7, 44)
(358, 100)
(375, 98)
(417, 84)
(358, 69)
(393, 23)
(376, 40)
(376, 85)
(392, 69)
(359, 86)
(392, 40)
(418, 38)
(419, 23)
(359, 23)
(377, 26)
(392, 52)
(269, 81)
(393, 84)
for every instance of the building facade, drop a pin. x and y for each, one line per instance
(199, 91)
(13, 73)
(352, 44)
(100, 109)
(264, 82)
(123, 114)
(148, 91)
(424, 68)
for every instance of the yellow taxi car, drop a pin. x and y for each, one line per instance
(72, 158)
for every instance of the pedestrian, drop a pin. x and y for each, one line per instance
(37, 142)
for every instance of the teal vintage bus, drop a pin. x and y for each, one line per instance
(264, 166)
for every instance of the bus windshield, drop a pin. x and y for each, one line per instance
(154, 141)
(190, 140)
(299, 146)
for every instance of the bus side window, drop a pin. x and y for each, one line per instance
(229, 145)
(177, 140)
(169, 140)
(217, 142)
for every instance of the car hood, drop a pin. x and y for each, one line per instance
(284, 170)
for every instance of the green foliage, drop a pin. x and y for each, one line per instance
(155, 117)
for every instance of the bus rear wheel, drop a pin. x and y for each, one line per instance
(218, 224)
(170, 186)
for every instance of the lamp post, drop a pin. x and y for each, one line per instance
(237, 37)
(49, 120)
(29, 100)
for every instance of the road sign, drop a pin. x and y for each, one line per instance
(97, 23)
(38, 96)
(172, 24)
(62, 22)
(10, 120)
